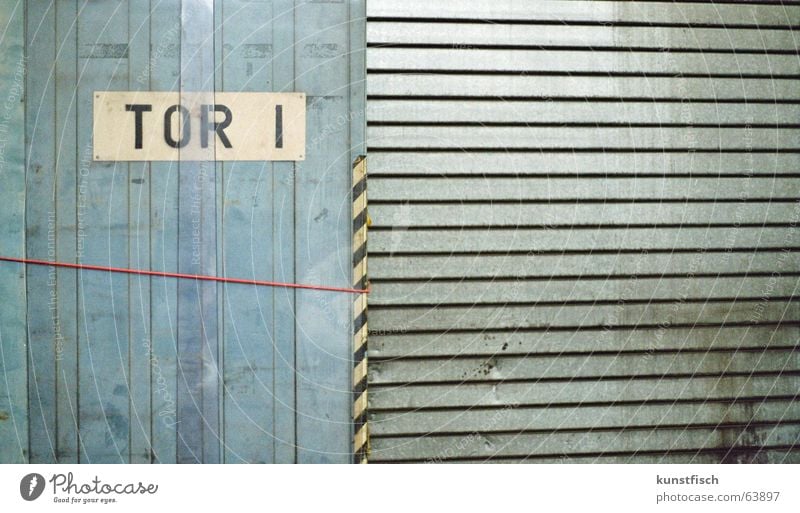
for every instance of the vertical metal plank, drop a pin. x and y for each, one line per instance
(103, 213)
(69, 158)
(358, 78)
(358, 137)
(40, 221)
(218, 199)
(198, 375)
(163, 74)
(322, 231)
(139, 240)
(283, 248)
(13, 361)
(247, 249)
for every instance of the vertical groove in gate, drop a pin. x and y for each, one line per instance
(360, 223)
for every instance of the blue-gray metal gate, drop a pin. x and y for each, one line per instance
(104, 367)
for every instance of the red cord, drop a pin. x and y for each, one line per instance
(222, 279)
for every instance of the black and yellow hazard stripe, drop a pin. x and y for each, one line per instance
(360, 223)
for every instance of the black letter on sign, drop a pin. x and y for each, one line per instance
(219, 128)
(137, 110)
(186, 130)
(279, 126)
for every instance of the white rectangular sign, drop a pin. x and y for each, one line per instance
(146, 125)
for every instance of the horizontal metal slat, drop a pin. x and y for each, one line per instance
(606, 162)
(651, 88)
(483, 137)
(502, 368)
(511, 317)
(418, 345)
(631, 440)
(707, 457)
(549, 189)
(580, 290)
(599, 12)
(505, 240)
(581, 417)
(625, 113)
(548, 61)
(425, 267)
(469, 395)
(499, 34)
(469, 214)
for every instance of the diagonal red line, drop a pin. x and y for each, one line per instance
(144, 272)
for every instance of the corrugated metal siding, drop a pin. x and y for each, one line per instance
(584, 242)
(133, 369)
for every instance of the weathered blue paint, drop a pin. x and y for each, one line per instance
(117, 368)
(283, 243)
(198, 343)
(163, 75)
(14, 405)
(247, 193)
(67, 164)
(139, 208)
(322, 250)
(102, 212)
(39, 224)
